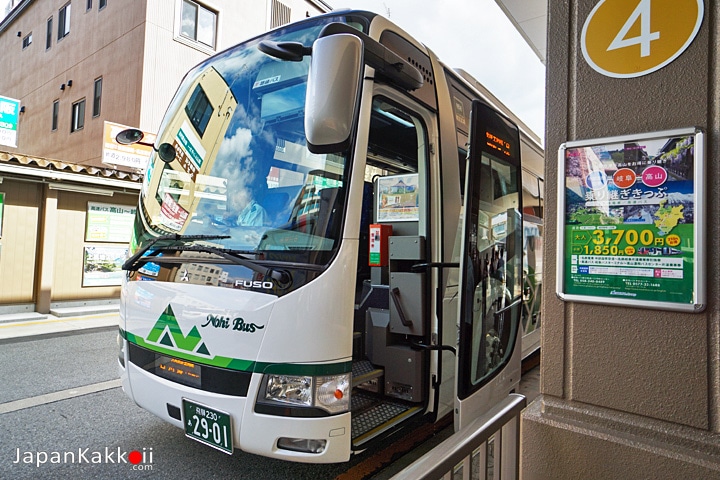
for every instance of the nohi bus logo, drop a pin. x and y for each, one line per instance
(167, 332)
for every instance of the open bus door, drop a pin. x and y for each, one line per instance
(489, 352)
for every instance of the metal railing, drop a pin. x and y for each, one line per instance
(466, 452)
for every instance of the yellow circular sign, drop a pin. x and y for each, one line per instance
(673, 240)
(625, 39)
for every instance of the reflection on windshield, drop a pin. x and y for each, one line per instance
(242, 169)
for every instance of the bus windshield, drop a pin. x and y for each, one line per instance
(242, 172)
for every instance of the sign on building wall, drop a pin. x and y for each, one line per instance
(9, 114)
(631, 221)
(134, 156)
(109, 222)
(625, 39)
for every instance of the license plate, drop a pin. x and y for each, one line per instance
(208, 426)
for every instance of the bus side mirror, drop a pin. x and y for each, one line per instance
(333, 92)
(130, 136)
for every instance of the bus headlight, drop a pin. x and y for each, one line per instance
(289, 389)
(328, 392)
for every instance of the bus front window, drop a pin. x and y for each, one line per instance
(242, 169)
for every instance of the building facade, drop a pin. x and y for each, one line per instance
(76, 66)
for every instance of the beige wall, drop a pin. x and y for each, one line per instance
(42, 245)
(18, 245)
(627, 392)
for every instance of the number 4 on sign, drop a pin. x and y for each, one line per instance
(642, 11)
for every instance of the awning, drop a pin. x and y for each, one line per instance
(45, 170)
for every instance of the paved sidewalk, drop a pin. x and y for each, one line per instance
(45, 324)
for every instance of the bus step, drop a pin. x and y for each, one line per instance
(364, 371)
(375, 418)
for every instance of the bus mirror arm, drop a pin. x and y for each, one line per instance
(379, 57)
(290, 51)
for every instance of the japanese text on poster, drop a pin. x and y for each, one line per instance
(629, 221)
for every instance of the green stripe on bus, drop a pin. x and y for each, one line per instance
(238, 364)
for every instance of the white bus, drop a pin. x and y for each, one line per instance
(318, 258)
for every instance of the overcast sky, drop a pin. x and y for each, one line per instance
(474, 35)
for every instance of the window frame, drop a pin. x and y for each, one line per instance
(49, 33)
(64, 13)
(27, 40)
(55, 115)
(77, 120)
(88, 5)
(102, 4)
(97, 97)
(192, 39)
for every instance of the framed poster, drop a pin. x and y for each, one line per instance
(631, 223)
(397, 198)
(102, 265)
(109, 222)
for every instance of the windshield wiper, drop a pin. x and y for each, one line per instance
(134, 261)
(282, 278)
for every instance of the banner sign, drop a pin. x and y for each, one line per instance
(9, 115)
(631, 221)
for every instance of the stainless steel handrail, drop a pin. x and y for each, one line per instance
(503, 421)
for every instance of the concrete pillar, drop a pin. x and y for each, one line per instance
(46, 254)
(627, 392)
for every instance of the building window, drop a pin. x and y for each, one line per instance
(55, 111)
(97, 96)
(102, 4)
(88, 5)
(48, 34)
(27, 40)
(199, 110)
(64, 21)
(279, 14)
(78, 116)
(198, 23)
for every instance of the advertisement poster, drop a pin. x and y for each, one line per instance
(102, 266)
(9, 115)
(397, 198)
(109, 223)
(631, 215)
